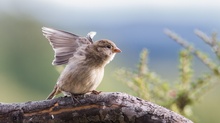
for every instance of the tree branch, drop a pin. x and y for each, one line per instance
(105, 107)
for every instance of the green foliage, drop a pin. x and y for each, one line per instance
(178, 96)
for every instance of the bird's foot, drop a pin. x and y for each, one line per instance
(95, 92)
(74, 97)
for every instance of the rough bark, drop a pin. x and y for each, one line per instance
(105, 108)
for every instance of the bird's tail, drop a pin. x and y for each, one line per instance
(54, 92)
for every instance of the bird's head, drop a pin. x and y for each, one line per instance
(106, 49)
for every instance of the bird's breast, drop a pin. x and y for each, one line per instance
(79, 79)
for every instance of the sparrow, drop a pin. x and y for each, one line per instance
(85, 61)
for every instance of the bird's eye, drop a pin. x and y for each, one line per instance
(109, 46)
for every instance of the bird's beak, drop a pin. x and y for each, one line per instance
(116, 50)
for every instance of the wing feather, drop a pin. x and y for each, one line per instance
(64, 44)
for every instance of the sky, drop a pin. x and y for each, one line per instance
(170, 8)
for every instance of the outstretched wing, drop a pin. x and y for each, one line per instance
(64, 44)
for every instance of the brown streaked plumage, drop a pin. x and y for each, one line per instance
(85, 60)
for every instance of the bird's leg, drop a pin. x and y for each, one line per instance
(73, 97)
(95, 92)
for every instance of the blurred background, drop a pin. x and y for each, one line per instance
(26, 72)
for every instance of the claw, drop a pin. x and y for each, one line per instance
(74, 99)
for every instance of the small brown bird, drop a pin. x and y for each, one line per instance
(85, 60)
